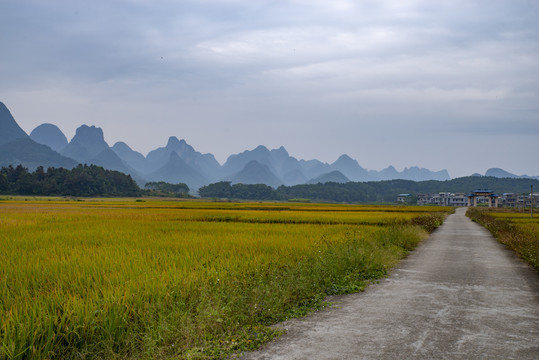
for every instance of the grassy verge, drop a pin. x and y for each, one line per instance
(513, 228)
(150, 280)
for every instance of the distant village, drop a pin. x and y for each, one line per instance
(476, 197)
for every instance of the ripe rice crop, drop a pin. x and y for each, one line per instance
(160, 279)
(512, 227)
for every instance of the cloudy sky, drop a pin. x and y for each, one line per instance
(439, 84)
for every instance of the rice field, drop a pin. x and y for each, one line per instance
(513, 227)
(134, 279)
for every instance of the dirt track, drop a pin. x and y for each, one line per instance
(460, 295)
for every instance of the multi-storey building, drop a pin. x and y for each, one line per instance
(403, 198)
(523, 200)
(425, 199)
(461, 199)
(443, 199)
(458, 199)
(509, 199)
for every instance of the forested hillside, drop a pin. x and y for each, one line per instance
(82, 180)
(365, 192)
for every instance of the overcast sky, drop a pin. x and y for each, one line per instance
(432, 83)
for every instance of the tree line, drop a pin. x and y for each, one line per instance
(92, 180)
(164, 189)
(83, 180)
(364, 192)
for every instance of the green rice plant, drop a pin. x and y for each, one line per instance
(429, 222)
(517, 230)
(117, 279)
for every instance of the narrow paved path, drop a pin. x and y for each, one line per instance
(459, 295)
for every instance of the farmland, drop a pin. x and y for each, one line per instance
(513, 227)
(177, 279)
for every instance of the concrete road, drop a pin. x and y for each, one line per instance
(459, 295)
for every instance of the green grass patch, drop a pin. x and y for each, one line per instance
(514, 228)
(161, 279)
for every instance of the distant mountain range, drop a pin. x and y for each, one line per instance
(179, 162)
(16, 147)
(501, 173)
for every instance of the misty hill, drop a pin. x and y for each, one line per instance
(28, 153)
(260, 154)
(413, 173)
(255, 173)
(50, 135)
(109, 160)
(130, 157)
(9, 129)
(280, 160)
(334, 176)
(17, 148)
(205, 164)
(89, 146)
(291, 172)
(501, 173)
(421, 174)
(294, 177)
(314, 168)
(287, 169)
(283, 166)
(350, 169)
(175, 171)
(87, 143)
(385, 174)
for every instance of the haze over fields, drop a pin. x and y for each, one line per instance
(439, 85)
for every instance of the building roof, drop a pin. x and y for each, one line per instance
(482, 191)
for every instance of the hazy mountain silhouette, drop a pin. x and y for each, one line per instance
(130, 157)
(17, 148)
(294, 177)
(292, 173)
(415, 173)
(255, 173)
(389, 173)
(281, 161)
(50, 135)
(9, 129)
(109, 160)
(87, 143)
(288, 168)
(350, 168)
(28, 153)
(314, 168)
(501, 173)
(334, 176)
(176, 170)
(88, 146)
(281, 166)
(180, 162)
(205, 164)
(236, 163)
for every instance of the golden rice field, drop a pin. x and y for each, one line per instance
(132, 279)
(512, 227)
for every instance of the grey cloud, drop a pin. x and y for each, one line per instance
(361, 67)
